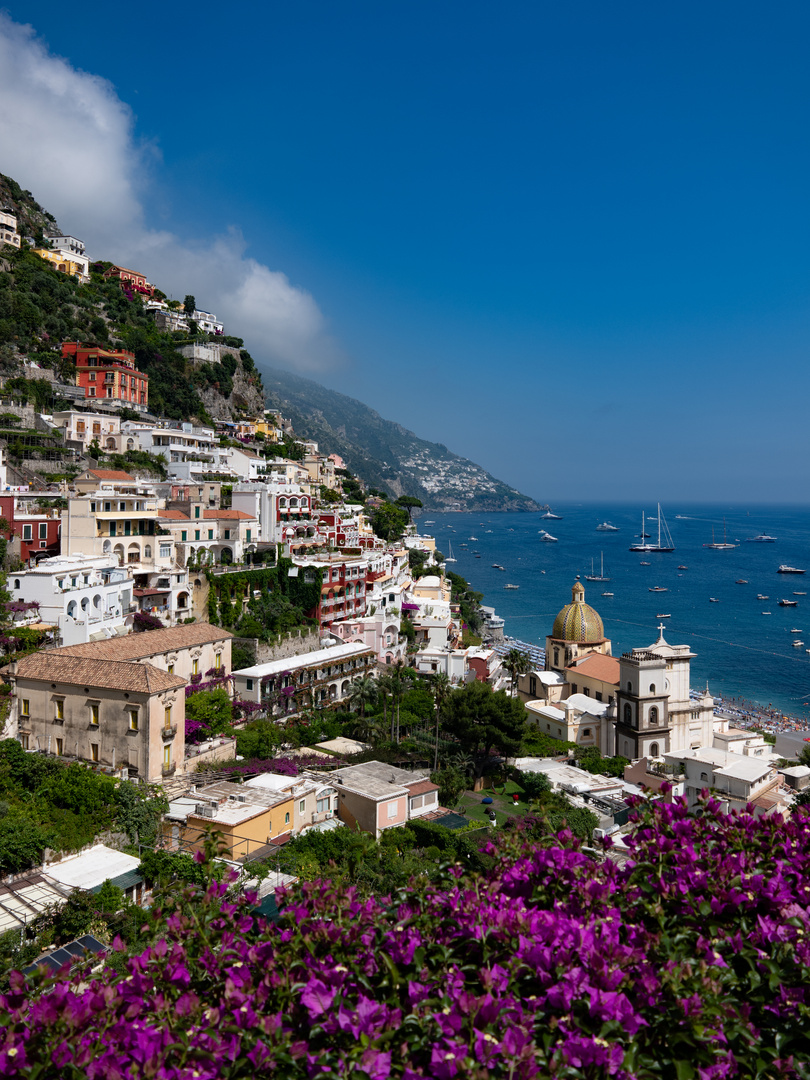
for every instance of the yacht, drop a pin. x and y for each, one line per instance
(511, 586)
(664, 541)
(607, 594)
(797, 644)
(547, 537)
(766, 612)
(783, 569)
(667, 616)
(799, 593)
(549, 516)
(593, 576)
(725, 546)
(607, 527)
(642, 563)
(761, 539)
(788, 603)
(683, 567)
(713, 600)
(658, 588)
(761, 596)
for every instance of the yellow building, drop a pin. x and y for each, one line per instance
(60, 261)
(247, 818)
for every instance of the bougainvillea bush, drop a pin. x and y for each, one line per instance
(690, 959)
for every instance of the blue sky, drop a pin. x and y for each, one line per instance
(568, 241)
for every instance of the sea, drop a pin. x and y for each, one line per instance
(743, 645)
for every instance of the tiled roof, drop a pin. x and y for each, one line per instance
(173, 515)
(54, 666)
(111, 474)
(229, 515)
(597, 666)
(148, 643)
(422, 787)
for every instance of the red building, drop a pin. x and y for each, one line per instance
(130, 279)
(39, 531)
(103, 373)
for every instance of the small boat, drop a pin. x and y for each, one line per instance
(761, 597)
(794, 630)
(547, 538)
(682, 517)
(474, 538)
(605, 526)
(713, 600)
(683, 567)
(642, 563)
(766, 613)
(478, 556)
(450, 557)
(783, 569)
(429, 522)
(667, 616)
(761, 539)
(549, 516)
(658, 588)
(800, 594)
(496, 566)
(607, 594)
(511, 586)
(502, 568)
(788, 603)
(741, 581)
(797, 644)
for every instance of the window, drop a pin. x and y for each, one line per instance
(165, 551)
(107, 507)
(25, 707)
(94, 751)
(184, 535)
(532, 685)
(629, 688)
(59, 746)
(218, 661)
(227, 534)
(167, 756)
(92, 508)
(248, 534)
(210, 534)
(167, 716)
(573, 688)
(393, 809)
(598, 695)
(586, 733)
(28, 532)
(556, 657)
(652, 688)
(196, 534)
(43, 530)
(287, 818)
(24, 742)
(195, 667)
(322, 805)
(94, 713)
(653, 715)
(628, 714)
(654, 749)
(248, 684)
(133, 719)
(59, 708)
(302, 805)
(196, 511)
(92, 391)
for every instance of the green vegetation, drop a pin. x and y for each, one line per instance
(468, 601)
(388, 521)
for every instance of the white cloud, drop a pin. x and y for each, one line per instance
(67, 137)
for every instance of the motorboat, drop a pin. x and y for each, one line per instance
(741, 581)
(667, 616)
(713, 600)
(783, 569)
(474, 538)
(547, 538)
(658, 588)
(683, 567)
(607, 594)
(605, 526)
(788, 603)
(549, 516)
(797, 644)
(799, 593)
(766, 613)
(761, 539)
(511, 586)
(794, 630)
(642, 563)
(761, 597)
(497, 566)
(664, 541)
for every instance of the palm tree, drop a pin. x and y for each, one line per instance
(516, 663)
(361, 693)
(441, 686)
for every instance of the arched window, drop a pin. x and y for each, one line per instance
(628, 714)
(305, 502)
(16, 583)
(107, 547)
(653, 715)
(556, 657)
(147, 551)
(97, 601)
(72, 609)
(652, 688)
(282, 502)
(629, 688)
(293, 502)
(704, 776)
(654, 749)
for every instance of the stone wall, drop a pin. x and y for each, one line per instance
(209, 752)
(293, 643)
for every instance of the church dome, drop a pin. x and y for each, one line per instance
(578, 621)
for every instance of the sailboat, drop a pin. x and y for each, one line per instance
(601, 575)
(725, 546)
(450, 557)
(664, 542)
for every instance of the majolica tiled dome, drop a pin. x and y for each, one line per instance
(578, 621)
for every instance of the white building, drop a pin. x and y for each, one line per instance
(208, 322)
(87, 598)
(735, 779)
(578, 719)
(315, 799)
(86, 428)
(322, 677)
(8, 227)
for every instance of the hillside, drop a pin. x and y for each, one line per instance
(384, 454)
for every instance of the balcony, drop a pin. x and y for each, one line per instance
(168, 732)
(168, 770)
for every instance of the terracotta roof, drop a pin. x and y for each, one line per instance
(422, 787)
(173, 515)
(148, 643)
(230, 515)
(597, 666)
(111, 474)
(56, 667)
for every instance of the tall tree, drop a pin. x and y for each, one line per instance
(189, 305)
(516, 662)
(482, 720)
(409, 503)
(441, 687)
(362, 692)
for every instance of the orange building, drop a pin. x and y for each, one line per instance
(103, 373)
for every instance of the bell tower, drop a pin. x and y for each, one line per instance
(642, 716)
